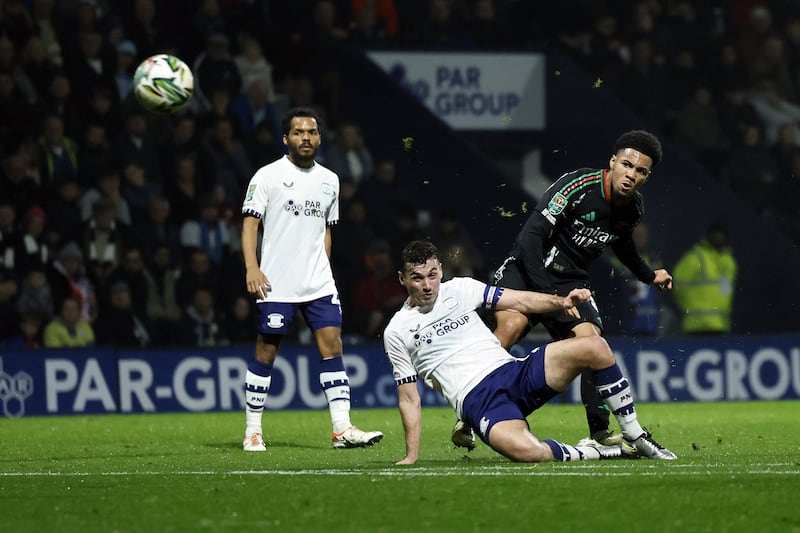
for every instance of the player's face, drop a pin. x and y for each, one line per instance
(422, 282)
(628, 170)
(302, 141)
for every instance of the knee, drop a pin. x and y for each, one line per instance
(598, 352)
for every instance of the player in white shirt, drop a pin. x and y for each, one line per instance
(297, 200)
(438, 336)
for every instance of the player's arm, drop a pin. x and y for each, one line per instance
(626, 251)
(537, 302)
(328, 242)
(408, 402)
(257, 282)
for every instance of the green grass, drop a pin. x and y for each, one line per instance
(738, 469)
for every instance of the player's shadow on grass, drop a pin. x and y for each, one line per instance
(270, 444)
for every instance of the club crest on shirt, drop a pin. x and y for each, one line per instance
(557, 204)
(327, 189)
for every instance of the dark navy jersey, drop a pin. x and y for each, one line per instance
(572, 224)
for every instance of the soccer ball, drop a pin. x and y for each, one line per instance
(163, 83)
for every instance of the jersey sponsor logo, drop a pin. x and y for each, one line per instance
(557, 204)
(250, 192)
(275, 320)
(588, 237)
(309, 208)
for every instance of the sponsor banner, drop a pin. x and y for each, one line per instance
(473, 91)
(55, 382)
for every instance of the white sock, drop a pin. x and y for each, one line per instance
(256, 389)
(567, 452)
(336, 386)
(616, 393)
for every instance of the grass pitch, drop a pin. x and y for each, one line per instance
(738, 469)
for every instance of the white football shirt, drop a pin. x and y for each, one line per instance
(446, 343)
(295, 206)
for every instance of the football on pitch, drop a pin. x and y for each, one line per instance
(163, 83)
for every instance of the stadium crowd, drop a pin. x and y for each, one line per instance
(121, 227)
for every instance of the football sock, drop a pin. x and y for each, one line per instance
(256, 386)
(616, 392)
(566, 452)
(336, 386)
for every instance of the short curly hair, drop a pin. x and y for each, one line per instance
(641, 141)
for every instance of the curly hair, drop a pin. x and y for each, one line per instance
(641, 141)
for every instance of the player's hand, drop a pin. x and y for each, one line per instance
(257, 284)
(663, 279)
(576, 296)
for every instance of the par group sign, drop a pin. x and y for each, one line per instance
(473, 91)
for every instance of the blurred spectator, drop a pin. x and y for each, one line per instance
(37, 65)
(185, 141)
(200, 326)
(8, 295)
(385, 11)
(751, 171)
(366, 29)
(785, 148)
(348, 156)
(241, 321)
(31, 250)
(20, 182)
(383, 193)
(405, 228)
(101, 245)
(28, 335)
(9, 63)
(35, 295)
(64, 213)
(69, 279)
(69, 329)
(697, 128)
(232, 167)
(156, 227)
(377, 294)
(48, 28)
(443, 28)
(350, 239)
(58, 158)
(107, 186)
(199, 271)
(142, 29)
(185, 193)
(15, 111)
(736, 112)
(253, 66)
(773, 109)
(59, 100)
(641, 302)
(207, 232)
(91, 67)
(119, 325)
(262, 145)
(136, 144)
(488, 25)
(705, 282)
(643, 83)
(163, 311)
(127, 61)
(133, 272)
(215, 69)
(460, 255)
(103, 107)
(9, 233)
(94, 157)
(138, 188)
(253, 107)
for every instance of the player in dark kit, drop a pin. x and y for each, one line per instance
(582, 213)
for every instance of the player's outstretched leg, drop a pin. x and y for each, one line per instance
(616, 392)
(336, 386)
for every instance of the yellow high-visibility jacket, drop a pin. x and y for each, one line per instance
(704, 281)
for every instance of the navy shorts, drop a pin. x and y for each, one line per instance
(275, 318)
(559, 324)
(511, 392)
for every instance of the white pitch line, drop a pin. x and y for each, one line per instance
(429, 472)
